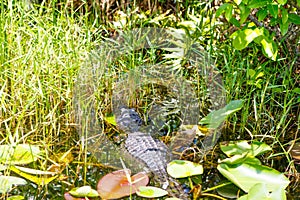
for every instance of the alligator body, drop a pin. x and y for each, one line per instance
(153, 153)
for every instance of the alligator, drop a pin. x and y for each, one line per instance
(151, 152)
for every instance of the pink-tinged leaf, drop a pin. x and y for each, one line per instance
(68, 196)
(116, 185)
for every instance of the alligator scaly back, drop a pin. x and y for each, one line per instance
(153, 153)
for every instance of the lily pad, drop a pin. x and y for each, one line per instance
(260, 191)
(151, 192)
(84, 191)
(246, 175)
(19, 154)
(116, 184)
(183, 169)
(7, 182)
(237, 148)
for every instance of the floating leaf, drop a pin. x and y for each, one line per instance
(151, 192)
(260, 191)
(246, 175)
(19, 154)
(183, 169)
(7, 182)
(116, 185)
(16, 197)
(230, 191)
(238, 148)
(84, 191)
(68, 196)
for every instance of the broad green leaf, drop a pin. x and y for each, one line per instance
(19, 154)
(282, 2)
(244, 37)
(243, 158)
(245, 176)
(16, 197)
(294, 18)
(238, 148)
(228, 12)
(269, 48)
(273, 10)
(258, 148)
(261, 14)
(183, 169)
(7, 182)
(229, 190)
(260, 191)
(84, 191)
(273, 21)
(38, 179)
(215, 118)
(258, 3)
(151, 192)
(221, 9)
(284, 15)
(245, 11)
(235, 22)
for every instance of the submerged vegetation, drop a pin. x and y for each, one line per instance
(254, 45)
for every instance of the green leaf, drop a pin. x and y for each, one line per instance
(84, 191)
(183, 169)
(246, 175)
(19, 154)
(284, 15)
(261, 14)
(245, 11)
(284, 27)
(294, 18)
(7, 182)
(273, 21)
(228, 12)
(235, 22)
(151, 192)
(282, 2)
(273, 10)
(244, 37)
(269, 48)
(221, 9)
(16, 197)
(258, 3)
(238, 148)
(215, 118)
(260, 191)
